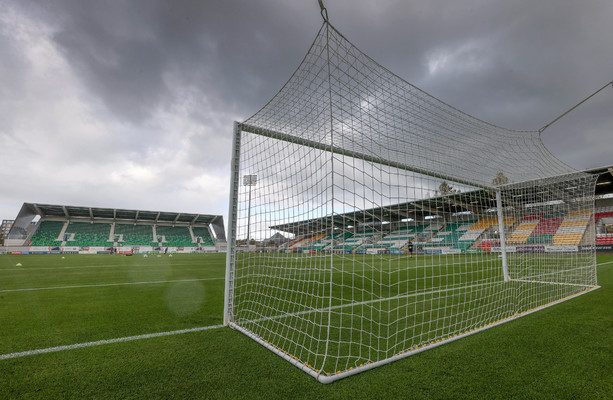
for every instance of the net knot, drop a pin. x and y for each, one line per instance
(324, 11)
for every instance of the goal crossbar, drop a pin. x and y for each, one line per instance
(357, 155)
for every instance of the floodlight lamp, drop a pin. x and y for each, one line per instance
(250, 180)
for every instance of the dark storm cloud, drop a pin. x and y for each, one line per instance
(239, 53)
(130, 53)
(545, 53)
(516, 64)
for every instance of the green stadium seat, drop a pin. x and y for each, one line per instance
(46, 234)
(135, 235)
(174, 235)
(203, 232)
(88, 234)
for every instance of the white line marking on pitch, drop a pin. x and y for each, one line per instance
(106, 341)
(27, 269)
(106, 284)
(608, 262)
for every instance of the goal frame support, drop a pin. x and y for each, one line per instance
(232, 215)
(360, 156)
(501, 225)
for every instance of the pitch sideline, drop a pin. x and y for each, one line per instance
(105, 341)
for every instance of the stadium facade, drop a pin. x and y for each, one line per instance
(45, 228)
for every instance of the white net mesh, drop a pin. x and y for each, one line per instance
(370, 220)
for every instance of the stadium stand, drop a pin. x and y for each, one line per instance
(449, 236)
(463, 234)
(135, 235)
(288, 244)
(88, 234)
(340, 239)
(320, 242)
(523, 231)
(324, 242)
(604, 213)
(429, 231)
(47, 233)
(546, 229)
(398, 238)
(203, 233)
(469, 232)
(604, 238)
(174, 235)
(479, 231)
(572, 228)
(356, 240)
(93, 230)
(603, 218)
(315, 242)
(304, 241)
(487, 244)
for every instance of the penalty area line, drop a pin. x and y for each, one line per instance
(105, 341)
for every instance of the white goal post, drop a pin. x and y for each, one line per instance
(370, 221)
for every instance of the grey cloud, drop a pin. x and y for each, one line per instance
(228, 50)
(125, 71)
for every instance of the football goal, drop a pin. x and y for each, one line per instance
(370, 221)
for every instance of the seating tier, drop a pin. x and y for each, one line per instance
(46, 234)
(88, 234)
(135, 235)
(203, 232)
(174, 235)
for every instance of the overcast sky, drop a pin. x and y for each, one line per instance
(130, 104)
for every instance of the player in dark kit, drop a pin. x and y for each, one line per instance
(410, 248)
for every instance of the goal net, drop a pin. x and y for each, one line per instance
(370, 221)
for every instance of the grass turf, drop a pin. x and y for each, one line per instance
(372, 307)
(560, 352)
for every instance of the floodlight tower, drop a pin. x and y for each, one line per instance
(249, 180)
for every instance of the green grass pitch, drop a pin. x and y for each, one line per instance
(382, 305)
(564, 351)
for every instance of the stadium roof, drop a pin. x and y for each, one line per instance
(420, 209)
(69, 212)
(604, 184)
(450, 204)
